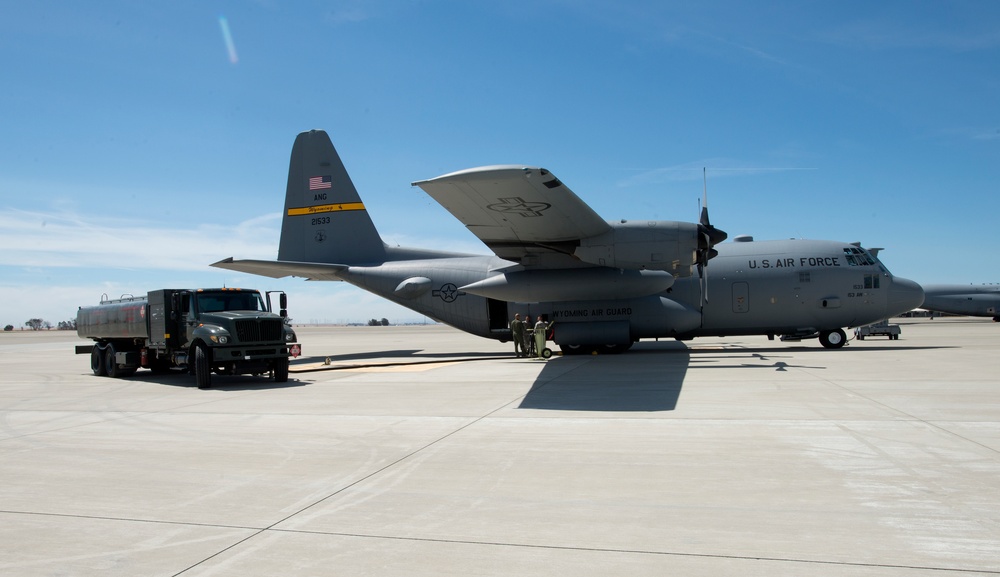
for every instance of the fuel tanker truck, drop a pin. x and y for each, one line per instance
(226, 331)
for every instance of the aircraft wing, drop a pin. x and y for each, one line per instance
(279, 268)
(518, 211)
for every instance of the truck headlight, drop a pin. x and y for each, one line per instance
(221, 339)
(289, 337)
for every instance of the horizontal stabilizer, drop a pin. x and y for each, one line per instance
(279, 269)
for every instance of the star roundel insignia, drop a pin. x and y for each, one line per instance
(518, 205)
(448, 292)
(320, 236)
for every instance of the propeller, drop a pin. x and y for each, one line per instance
(708, 236)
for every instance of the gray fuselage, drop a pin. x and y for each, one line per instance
(785, 287)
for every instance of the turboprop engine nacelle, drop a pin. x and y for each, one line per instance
(574, 284)
(671, 246)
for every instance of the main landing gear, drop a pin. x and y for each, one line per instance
(834, 339)
(614, 349)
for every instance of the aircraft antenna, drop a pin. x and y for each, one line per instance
(704, 185)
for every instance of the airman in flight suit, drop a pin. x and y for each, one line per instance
(540, 331)
(517, 335)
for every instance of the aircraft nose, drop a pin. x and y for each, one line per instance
(904, 295)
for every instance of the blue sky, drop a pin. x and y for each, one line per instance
(138, 148)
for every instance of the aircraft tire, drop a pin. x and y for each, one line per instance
(97, 361)
(834, 339)
(202, 368)
(614, 349)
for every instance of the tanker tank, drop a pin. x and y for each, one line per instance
(119, 318)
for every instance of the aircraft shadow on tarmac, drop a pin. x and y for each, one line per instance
(641, 380)
(650, 376)
(178, 378)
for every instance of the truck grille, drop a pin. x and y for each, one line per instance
(261, 352)
(259, 330)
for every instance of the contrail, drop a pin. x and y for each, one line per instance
(228, 38)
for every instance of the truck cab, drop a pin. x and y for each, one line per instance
(228, 332)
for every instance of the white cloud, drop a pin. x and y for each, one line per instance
(992, 134)
(893, 35)
(714, 167)
(55, 262)
(309, 302)
(63, 239)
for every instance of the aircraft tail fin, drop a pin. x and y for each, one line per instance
(324, 219)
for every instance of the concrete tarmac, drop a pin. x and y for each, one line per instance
(424, 451)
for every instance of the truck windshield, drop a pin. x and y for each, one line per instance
(230, 301)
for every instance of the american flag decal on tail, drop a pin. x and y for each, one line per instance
(319, 182)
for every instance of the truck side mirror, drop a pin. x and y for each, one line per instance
(283, 304)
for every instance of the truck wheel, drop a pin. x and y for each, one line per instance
(97, 361)
(281, 370)
(110, 364)
(833, 339)
(202, 368)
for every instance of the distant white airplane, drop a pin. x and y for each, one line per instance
(606, 284)
(972, 300)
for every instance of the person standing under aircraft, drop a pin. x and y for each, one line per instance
(529, 342)
(517, 335)
(540, 331)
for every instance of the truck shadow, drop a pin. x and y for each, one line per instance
(178, 378)
(401, 354)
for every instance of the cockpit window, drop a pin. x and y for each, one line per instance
(858, 257)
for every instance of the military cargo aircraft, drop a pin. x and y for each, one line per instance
(605, 284)
(972, 300)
